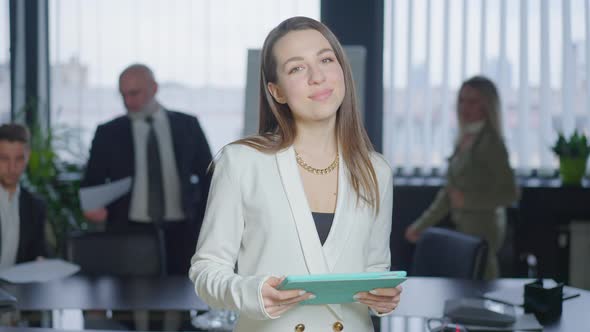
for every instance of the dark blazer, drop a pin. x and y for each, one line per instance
(112, 158)
(31, 242)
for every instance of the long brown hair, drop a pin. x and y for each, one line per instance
(491, 97)
(277, 129)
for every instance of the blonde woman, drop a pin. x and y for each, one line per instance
(307, 195)
(480, 182)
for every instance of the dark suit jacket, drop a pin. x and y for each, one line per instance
(31, 242)
(112, 158)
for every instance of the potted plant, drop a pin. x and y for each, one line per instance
(573, 153)
(56, 180)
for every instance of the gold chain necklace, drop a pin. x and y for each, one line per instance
(316, 171)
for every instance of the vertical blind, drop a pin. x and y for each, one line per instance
(535, 51)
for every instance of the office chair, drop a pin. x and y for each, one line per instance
(446, 253)
(137, 254)
(122, 254)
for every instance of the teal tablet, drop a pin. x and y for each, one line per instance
(334, 288)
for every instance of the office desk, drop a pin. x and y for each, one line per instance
(422, 297)
(425, 297)
(103, 293)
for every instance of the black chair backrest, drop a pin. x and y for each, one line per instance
(117, 254)
(446, 253)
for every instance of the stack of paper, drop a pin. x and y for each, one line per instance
(38, 271)
(95, 197)
(7, 301)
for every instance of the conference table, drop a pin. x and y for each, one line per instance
(107, 293)
(422, 297)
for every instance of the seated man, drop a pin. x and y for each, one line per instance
(22, 215)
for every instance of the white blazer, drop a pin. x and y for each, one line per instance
(258, 217)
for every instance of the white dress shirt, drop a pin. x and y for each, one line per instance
(10, 223)
(139, 198)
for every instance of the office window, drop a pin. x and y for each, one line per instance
(4, 62)
(535, 51)
(197, 49)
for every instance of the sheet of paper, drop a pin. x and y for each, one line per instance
(95, 197)
(6, 300)
(38, 271)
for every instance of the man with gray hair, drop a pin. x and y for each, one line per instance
(167, 155)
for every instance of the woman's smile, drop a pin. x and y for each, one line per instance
(321, 95)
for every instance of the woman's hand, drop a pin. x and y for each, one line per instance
(382, 300)
(412, 234)
(276, 302)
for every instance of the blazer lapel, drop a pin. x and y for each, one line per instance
(24, 211)
(463, 159)
(176, 136)
(127, 144)
(341, 225)
(311, 246)
(308, 236)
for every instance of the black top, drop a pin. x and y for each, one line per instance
(33, 215)
(323, 223)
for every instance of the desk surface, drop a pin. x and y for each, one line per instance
(425, 297)
(422, 297)
(102, 293)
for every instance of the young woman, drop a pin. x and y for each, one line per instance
(307, 195)
(480, 182)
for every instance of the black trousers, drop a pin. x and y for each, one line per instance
(180, 242)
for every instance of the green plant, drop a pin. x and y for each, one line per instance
(573, 154)
(576, 146)
(56, 180)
